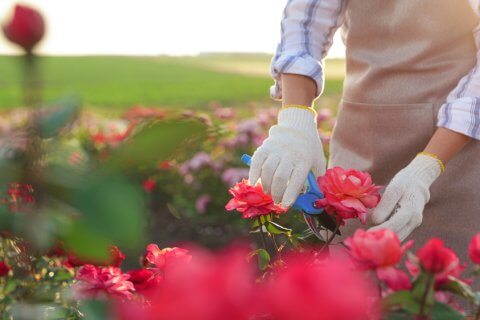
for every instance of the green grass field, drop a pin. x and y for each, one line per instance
(119, 82)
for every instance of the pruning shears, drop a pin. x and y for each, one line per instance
(305, 202)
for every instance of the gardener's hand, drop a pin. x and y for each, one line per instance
(292, 149)
(406, 196)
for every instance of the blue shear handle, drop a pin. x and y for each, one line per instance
(312, 181)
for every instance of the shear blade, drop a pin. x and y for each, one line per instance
(310, 220)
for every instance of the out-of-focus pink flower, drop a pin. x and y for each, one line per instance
(224, 113)
(161, 258)
(324, 114)
(376, 248)
(233, 175)
(448, 298)
(348, 193)
(252, 201)
(202, 202)
(102, 282)
(146, 282)
(115, 259)
(199, 160)
(394, 278)
(137, 113)
(328, 290)
(474, 249)
(149, 185)
(26, 28)
(4, 269)
(215, 286)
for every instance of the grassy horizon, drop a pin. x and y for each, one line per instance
(118, 82)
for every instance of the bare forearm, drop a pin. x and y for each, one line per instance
(446, 144)
(298, 89)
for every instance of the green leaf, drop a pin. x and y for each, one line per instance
(275, 228)
(94, 310)
(403, 300)
(87, 243)
(155, 143)
(459, 288)
(64, 113)
(441, 311)
(263, 258)
(171, 208)
(399, 315)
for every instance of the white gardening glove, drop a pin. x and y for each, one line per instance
(406, 196)
(292, 149)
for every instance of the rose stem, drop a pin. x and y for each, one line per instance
(425, 294)
(262, 235)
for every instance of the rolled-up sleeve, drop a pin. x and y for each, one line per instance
(307, 31)
(461, 112)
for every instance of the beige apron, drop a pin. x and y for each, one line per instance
(403, 58)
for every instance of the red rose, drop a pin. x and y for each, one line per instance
(435, 258)
(474, 249)
(4, 269)
(97, 283)
(161, 258)
(26, 28)
(251, 201)
(146, 282)
(115, 260)
(149, 185)
(348, 193)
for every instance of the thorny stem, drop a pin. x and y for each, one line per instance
(262, 235)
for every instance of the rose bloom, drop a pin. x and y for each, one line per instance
(115, 260)
(161, 258)
(26, 28)
(348, 193)
(4, 269)
(149, 185)
(329, 290)
(380, 250)
(251, 201)
(474, 249)
(435, 258)
(146, 282)
(102, 282)
(376, 248)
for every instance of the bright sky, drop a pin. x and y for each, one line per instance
(151, 27)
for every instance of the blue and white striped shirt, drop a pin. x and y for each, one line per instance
(307, 30)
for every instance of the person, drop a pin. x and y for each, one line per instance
(409, 114)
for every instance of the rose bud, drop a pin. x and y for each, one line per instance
(26, 28)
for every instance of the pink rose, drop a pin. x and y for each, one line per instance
(98, 282)
(251, 201)
(348, 193)
(380, 250)
(474, 249)
(376, 248)
(161, 258)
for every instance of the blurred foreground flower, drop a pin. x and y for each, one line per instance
(4, 269)
(26, 28)
(252, 201)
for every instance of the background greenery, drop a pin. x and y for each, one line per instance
(115, 83)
